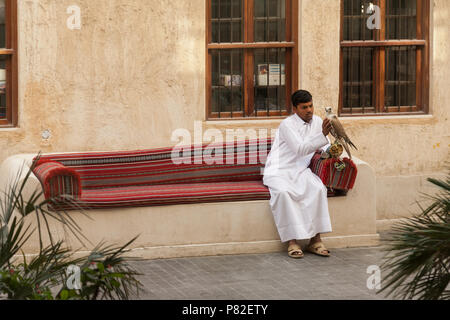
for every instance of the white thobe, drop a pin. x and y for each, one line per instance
(298, 197)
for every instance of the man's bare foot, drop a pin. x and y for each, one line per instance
(315, 239)
(294, 250)
(320, 250)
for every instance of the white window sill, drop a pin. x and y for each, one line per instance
(243, 122)
(9, 129)
(420, 116)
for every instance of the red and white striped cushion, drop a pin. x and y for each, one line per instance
(172, 194)
(99, 170)
(159, 176)
(330, 176)
(58, 180)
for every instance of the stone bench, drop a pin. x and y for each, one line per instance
(183, 202)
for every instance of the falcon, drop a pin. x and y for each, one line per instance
(338, 132)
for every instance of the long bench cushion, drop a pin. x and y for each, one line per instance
(188, 164)
(188, 174)
(172, 194)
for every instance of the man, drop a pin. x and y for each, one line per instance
(298, 196)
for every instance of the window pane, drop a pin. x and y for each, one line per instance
(225, 8)
(400, 81)
(270, 20)
(260, 8)
(2, 25)
(227, 84)
(236, 7)
(226, 21)
(2, 87)
(401, 19)
(225, 32)
(270, 79)
(215, 9)
(355, 20)
(215, 31)
(358, 80)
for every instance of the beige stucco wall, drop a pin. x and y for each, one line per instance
(135, 72)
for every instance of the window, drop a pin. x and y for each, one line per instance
(251, 58)
(384, 68)
(8, 62)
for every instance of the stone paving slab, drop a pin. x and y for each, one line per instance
(272, 276)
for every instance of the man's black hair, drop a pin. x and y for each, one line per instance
(301, 96)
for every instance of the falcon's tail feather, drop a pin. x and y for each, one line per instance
(347, 149)
(350, 143)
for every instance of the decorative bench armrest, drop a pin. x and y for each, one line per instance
(58, 180)
(333, 178)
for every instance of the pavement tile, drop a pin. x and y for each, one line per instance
(271, 276)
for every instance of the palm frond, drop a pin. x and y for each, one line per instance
(14, 236)
(48, 268)
(417, 261)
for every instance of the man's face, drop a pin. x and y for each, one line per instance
(305, 111)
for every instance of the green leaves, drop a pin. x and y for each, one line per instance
(16, 286)
(64, 295)
(417, 262)
(105, 273)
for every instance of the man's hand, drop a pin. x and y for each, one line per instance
(326, 127)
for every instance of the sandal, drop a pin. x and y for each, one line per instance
(294, 251)
(319, 249)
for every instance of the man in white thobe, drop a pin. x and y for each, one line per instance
(298, 197)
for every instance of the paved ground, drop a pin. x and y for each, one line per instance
(270, 276)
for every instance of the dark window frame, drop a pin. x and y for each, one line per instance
(10, 55)
(248, 45)
(380, 44)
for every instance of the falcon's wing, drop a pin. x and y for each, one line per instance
(338, 128)
(340, 131)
